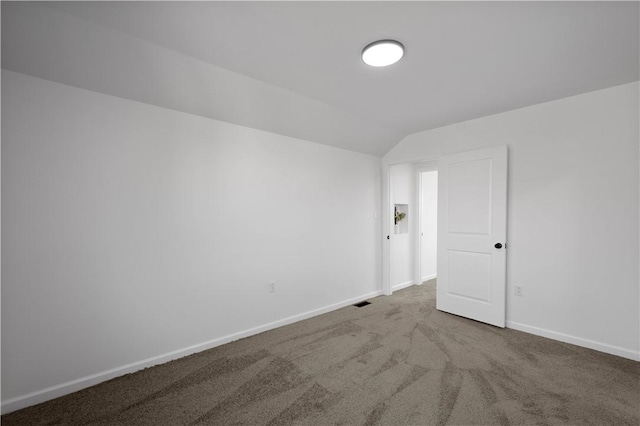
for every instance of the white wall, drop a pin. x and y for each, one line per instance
(572, 212)
(134, 234)
(402, 261)
(429, 237)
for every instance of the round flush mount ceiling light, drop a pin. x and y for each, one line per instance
(382, 53)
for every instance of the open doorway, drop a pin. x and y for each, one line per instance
(427, 249)
(471, 232)
(413, 224)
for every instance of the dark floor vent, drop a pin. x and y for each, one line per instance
(361, 304)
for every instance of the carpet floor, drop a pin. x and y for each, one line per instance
(397, 361)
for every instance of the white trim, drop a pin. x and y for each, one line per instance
(415, 161)
(429, 277)
(420, 168)
(387, 217)
(62, 389)
(402, 285)
(386, 231)
(418, 229)
(586, 343)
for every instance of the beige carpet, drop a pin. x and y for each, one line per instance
(397, 361)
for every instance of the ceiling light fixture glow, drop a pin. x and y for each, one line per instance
(382, 53)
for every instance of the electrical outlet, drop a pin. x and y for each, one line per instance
(271, 286)
(517, 290)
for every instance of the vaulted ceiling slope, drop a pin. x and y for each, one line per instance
(294, 68)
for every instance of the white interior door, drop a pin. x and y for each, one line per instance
(472, 229)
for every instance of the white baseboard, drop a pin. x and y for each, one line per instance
(62, 389)
(402, 285)
(578, 341)
(429, 277)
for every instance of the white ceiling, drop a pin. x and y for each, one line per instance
(463, 60)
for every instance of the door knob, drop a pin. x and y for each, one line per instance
(498, 245)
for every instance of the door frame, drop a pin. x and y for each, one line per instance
(387, 218)
(386, 229)
(422, 167)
